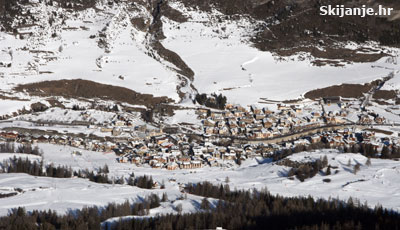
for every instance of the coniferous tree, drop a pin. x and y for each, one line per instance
(356, 168)
(368, 163)
(328, 170)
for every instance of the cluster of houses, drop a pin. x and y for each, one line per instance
(158, 150)
(78, 142)
(258, 123)
(177, 150)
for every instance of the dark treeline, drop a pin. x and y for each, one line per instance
(366, 149)
(261, 210)
(9, 147)
(370, 150)
(141, 181)
(234, 210)
(215, 101)
(305, 170)
(283, 153)
(86, 218)
(35, 168)
(7, 194)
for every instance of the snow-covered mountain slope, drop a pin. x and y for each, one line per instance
(225, 62)
(98, 44)
(171, 50)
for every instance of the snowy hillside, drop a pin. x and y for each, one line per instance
(107, 44)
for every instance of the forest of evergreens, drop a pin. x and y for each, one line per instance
(233, 210)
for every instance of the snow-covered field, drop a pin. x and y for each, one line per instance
(224, 62)
(7, 107)
(374, 184)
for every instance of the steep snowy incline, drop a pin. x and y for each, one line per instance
(99, 44)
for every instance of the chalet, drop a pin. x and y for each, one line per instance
(228, 114)
(255, 110)
(216, 115)
(122, 159)
(106, 129)
(234, 131)
(223, 131)
(316, 114)
(196, 164)
(380, 120)
(209, 123)
(366, 119)
(221, 124)
(172, 166)
(119, 123)
(229, 156)
(43, 138)
(10, 136)
(184, 165)
(315, 139)
(247, 120)
(136, 160)
(184, 159)
(259, 116)
(116, 132)
(238, 114)
(229, 106)
(216, 154)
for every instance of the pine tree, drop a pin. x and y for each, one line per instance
(324, 161)
(227, 180)
(385, 154)
(164, 197)
(356, 168)
(179, 208)
(205, 205)
(105, 169)
(328, 170)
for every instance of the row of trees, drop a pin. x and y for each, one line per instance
(37, 168)
(366, 149)
(10, 147)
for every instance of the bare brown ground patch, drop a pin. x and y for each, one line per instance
(344, 90)
(385, 94)
(88, 89)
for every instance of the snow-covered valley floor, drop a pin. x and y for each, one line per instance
(377, 184)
